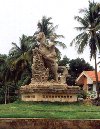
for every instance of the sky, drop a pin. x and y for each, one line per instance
(19, 17)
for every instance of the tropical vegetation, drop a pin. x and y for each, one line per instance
(89, 33)
(15, 68)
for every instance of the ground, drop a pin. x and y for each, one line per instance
(77, 110)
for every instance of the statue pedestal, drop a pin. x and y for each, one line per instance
(48, 91)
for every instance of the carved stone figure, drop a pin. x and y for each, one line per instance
(39, 72)
(64, 74)
(48, 54)
(45, 61)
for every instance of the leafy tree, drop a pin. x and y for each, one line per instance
(21, 56)
(6, 80)
(90, 32)
(76, 67)
(64, 61)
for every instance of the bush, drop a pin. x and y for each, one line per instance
(83, 95)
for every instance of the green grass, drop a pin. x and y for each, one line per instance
(49, 110)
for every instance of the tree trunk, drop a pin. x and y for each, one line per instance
(96, 75)
(6, 96)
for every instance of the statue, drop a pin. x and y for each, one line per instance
(45, 60)
(45, 84)
(64, 75)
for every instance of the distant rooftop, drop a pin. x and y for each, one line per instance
(91, 74)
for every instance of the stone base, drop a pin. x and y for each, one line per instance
(49, 97)
(51, 92)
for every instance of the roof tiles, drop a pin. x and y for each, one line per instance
(91, 74)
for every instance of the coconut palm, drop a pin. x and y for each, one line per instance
(21, 56)
(90, 33)
(46, 26)
(6, 76)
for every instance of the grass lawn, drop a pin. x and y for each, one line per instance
(20, 109)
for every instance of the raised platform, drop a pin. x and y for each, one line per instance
(52, 92)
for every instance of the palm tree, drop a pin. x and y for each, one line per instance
(46, 26)
(90, 33)
(21, 56)
(6, 76)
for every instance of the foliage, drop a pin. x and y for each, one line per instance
(15, 68)
(89, 33)
(64, 61)
(76, 66)
(46, 26)
(83, 95)
(7, 84)
(90, 26)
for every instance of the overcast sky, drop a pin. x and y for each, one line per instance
(19, 17)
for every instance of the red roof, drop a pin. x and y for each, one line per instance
(91, 74)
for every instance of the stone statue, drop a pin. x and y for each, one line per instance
(49, 55)
(64, 75)
(45, 61)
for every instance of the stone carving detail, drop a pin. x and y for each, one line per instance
(39, 72)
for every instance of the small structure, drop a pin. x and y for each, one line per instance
(88, 80)
(45, 84)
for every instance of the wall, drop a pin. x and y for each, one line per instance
(94, 87)
(49, 97)
(89, 81)
(48, 124)
(85, 87)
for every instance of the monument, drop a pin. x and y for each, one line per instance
(46, 84)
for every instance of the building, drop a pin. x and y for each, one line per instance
(87, 80)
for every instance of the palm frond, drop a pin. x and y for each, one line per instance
(82, 21)
(61, 44)
(83, 43)
(83, 10)
(76, 39)
(97, 27)
(58, 36)
(80, 28)
(16, 47)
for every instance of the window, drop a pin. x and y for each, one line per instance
(67, 96)
(33, 96)
(43, 96)
(28, 96)
(70, 96)
(90, 87)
